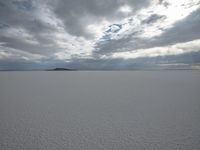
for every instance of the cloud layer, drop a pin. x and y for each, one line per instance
(94, 34)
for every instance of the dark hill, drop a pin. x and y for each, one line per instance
(61, 69)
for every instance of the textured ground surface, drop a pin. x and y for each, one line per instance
(148, 110)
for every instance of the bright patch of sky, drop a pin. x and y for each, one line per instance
(177, 49)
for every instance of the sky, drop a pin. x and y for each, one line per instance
(98, 34)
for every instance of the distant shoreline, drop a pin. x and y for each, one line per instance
(71, 70)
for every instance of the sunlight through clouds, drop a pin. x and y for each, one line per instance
(67, 31)
(177, 49)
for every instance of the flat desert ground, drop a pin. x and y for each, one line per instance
(102, 110)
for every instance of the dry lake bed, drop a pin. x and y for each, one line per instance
(113, 110)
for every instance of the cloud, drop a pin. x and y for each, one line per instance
(15, 54)
(82, 32)
(153, 18)
(77, 15)
(152, 28)
(177, 49)
(188, 59)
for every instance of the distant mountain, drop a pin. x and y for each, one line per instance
(61, 69)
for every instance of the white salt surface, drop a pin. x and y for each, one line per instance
(139, 110)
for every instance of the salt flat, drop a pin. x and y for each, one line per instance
(138, 110)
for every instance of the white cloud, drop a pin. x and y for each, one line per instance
(16, 55)
(126, 9)
(174, 12)
(21, 34)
